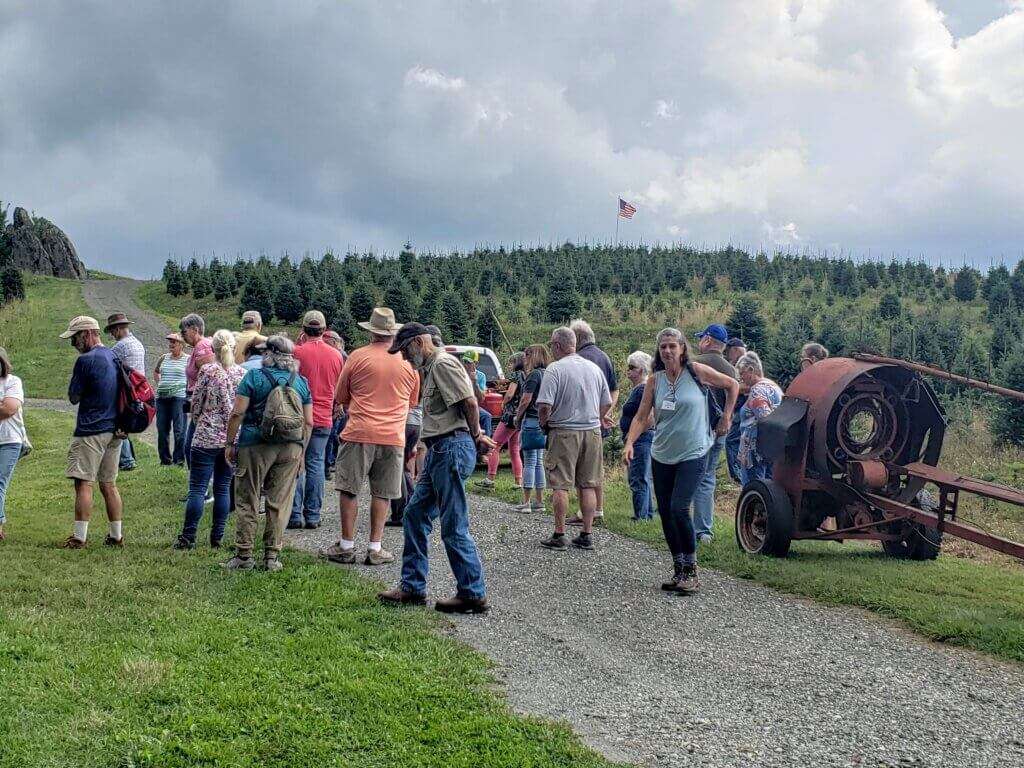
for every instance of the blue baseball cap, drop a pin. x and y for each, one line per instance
(716, 331)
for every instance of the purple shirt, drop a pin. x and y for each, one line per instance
(600, 359)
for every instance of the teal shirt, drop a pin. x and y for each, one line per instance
(681, 433)
(256, 387)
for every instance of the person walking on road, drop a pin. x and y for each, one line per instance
(169, 376)
(128, 350)
(268, 399)
(212, 401)
(14, 441)
(573, 403)
(452, 434)
(376, 389)
(676, 396)
(320, 365)
(711, 344)
(95, 449)
(586, 347)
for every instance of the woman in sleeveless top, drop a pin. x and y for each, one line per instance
(682, 437)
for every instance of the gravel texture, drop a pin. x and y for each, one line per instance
(739, 675)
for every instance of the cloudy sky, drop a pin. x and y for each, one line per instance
(873, 126)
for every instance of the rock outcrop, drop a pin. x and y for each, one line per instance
(41, 247)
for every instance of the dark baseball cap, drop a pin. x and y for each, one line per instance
(406, 334)
(716, 331)
(735, 341)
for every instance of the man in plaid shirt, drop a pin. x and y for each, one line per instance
(130, 351)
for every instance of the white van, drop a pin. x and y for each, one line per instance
(488, 362)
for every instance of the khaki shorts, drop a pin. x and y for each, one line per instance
(381, 463)
(574, 459)
(94, 458)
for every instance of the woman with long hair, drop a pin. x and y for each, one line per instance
(535, 360)
(506, 432)
(212, 401)
(676, 394)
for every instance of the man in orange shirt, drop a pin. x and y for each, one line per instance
(376, 389)
(320, 365)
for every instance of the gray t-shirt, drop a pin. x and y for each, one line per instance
(576, 390)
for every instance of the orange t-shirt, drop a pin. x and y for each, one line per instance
(377, 389)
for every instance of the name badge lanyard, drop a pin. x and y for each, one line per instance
(669, 403)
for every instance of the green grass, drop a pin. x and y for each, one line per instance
(955, 600)
(150, 657)
(170, 309)
(98, 274)
(30, 329)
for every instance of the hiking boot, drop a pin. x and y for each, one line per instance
(486, 482)
(312, 526)
(378, 557)
(688, 583)
(336, 554)
(557, 542)
(583, 541)
(535, 507)
(110, 541)
(575, 520)
(72, 543)
(182, 543)
(673, 583)
(399, 596)
(237, 563)
(292, 525)
(215, 541)
(523, 507)
(272, 565)
(462, 605)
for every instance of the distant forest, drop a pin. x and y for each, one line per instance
(962, 320)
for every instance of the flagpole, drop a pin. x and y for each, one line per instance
(617, 217)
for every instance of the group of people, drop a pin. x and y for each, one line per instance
(263, 421)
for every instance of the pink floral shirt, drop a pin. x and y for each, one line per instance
(212, 401)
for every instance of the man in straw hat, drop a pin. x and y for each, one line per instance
(320, 364)
(376, 389)
(128, 350)
(451, 431)
(96, 446)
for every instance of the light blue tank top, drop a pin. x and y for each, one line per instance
(681, 431)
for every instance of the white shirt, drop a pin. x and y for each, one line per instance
(12, 430)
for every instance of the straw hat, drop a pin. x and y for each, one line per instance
(382, 322)
(80, 323)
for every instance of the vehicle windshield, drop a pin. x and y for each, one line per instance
(486, 365)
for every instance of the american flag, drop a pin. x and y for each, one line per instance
(626, 210)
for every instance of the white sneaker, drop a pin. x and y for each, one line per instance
(523, 507)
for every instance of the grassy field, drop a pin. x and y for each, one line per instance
(953, 599)
(151, 657)
(29, 330)
(171, 309)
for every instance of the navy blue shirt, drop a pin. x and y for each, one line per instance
(94, 387)
(629, 409)
(600, 359)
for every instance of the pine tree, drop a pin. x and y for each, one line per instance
(487, 332)
(1008, 417)
(345, 325)
(288, 304)
(201, 284)
(401, 299)
(258, 294)
(326, 301)
(1005, 336)
(1017, 283)
(965, 285)
(747, 323)
(306, 288)
(169, 268)
(889, 307)
(225, 286)
(12, 284)
(1000, 299)
(455, 322)
(362, 300)
(177, 282)
(561, 299)
(430, 305)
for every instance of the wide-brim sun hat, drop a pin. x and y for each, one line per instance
(381, 322)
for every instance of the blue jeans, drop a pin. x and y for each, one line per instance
(205, 463)
(533, 461)
(640, 481)
(331, 451)
(704, 496)
(441, 492)
(9, 455)
(170, 414)
(190, 432)
(762, 470)
(309, 488)
(486, 422)
(127, 460)
(732, 449)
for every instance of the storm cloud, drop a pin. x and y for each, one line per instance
(155, 129)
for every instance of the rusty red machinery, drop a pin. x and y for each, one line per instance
(855, 446)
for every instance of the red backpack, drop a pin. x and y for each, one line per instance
(136, 401)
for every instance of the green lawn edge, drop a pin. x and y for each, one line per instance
(151, 657)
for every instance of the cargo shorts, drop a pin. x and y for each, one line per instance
(94, 458)
(383, 464)
(574, 459)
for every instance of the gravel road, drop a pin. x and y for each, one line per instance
(737, 676)
(105, 297)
